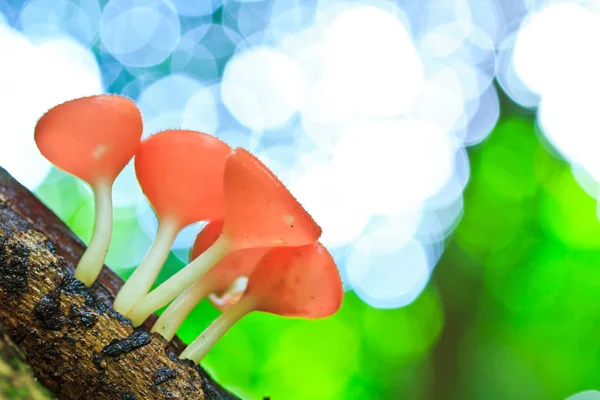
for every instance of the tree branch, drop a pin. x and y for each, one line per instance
(75, 343)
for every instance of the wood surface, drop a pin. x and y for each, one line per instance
(76, 344)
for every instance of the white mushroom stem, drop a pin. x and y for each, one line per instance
(92, 261)
(207, 339)
(178, 283)
(170, 321)
(140, 282)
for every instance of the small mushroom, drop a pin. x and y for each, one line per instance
(231, 296)
(181, 174)
(223, 283)
(293, 282)
(259, 212)
(92, 138)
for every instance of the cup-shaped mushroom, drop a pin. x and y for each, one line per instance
(224, 281)
(92, 138)
(181, 174)
(260, 212)
(295, 282)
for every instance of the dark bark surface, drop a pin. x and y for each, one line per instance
(78, 347)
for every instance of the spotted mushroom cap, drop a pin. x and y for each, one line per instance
(297, 282)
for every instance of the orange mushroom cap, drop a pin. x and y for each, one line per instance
(92, 137)
(260, 210)
(181, 174)
(297, 282)
(236, 264)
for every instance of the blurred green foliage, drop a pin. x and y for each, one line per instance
(527, 252)
(511, 312)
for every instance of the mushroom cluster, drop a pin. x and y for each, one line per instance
(258, 252)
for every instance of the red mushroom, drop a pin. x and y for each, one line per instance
(225, 280)
(259, 212)
(181, 174)
(92, 138)
(294, 282)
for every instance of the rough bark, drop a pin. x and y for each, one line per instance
(77, 346)
(16, 378)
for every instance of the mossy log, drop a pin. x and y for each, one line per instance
(76, 344)
(17, 381)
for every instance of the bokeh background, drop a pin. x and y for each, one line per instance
(448, 148)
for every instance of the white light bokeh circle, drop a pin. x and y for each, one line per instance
(573, 125)
(41, 19)
(249, 18)
(196, 8)
(178, 101)
(487, 16)
(403, 163)
(331, 204)
(283, 161)
(484, 119)
(201, 112)
(556, 56)
(374, 71)
(387, 234)
(221, 41)
(558, 47)
(388, 279)
(509, 80)
(239, 138)
(555, 65)
(442, 40)
(262, 88)
(439, 222)
(33, 80)
(193, 58)
(140, 34)
(587, 395)
(441, 99)
(289, 17)
(392, 160)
